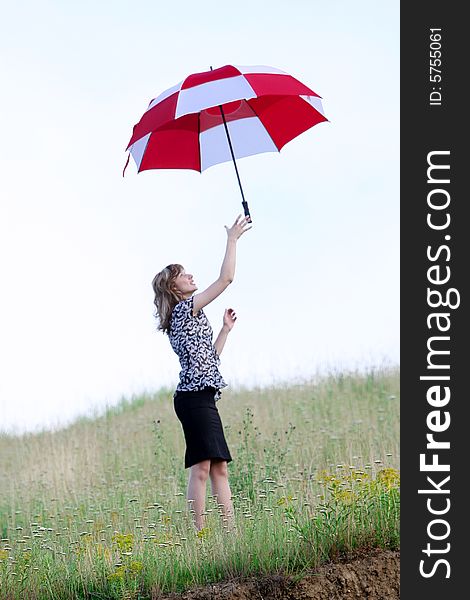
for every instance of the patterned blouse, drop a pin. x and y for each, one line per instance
(191, 338)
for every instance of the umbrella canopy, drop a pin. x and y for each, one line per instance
(254, 108)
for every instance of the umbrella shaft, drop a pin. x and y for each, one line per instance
(231, 150)
(244, 202)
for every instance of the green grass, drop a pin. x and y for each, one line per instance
(98, 510)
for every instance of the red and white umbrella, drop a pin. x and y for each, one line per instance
(221, 115)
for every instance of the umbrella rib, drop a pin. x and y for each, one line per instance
(264, 127)
(199, 140)
(145, 149)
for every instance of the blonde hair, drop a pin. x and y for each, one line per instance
(166, 295)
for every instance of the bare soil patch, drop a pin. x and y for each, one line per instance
(372, 575)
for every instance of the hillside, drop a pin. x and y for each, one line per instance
(99, 507)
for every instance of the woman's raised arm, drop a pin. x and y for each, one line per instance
(227, 270)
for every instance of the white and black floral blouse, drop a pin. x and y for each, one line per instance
(191, 339)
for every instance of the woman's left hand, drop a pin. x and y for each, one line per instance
(229, 318)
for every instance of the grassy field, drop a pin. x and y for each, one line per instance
(99, 510)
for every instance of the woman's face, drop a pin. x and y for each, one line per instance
(184, 283)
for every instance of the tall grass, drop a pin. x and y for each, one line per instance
(99, 510)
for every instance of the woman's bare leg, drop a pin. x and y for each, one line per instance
(197, 491)
(221, 488)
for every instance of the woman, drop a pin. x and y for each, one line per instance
(181, 317)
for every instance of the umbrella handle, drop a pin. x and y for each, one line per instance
(247, 210)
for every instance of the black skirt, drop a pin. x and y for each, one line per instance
(202, 426)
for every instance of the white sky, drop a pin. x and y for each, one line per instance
(317, 278)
